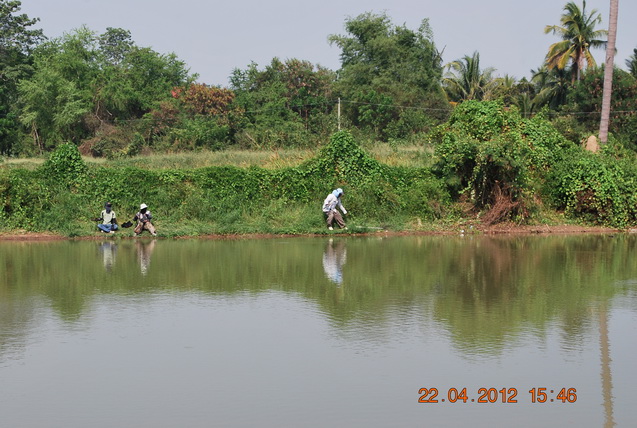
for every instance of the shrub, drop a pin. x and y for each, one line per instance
(599, 188)
(492, 156)
(65, 165)
(200, 132)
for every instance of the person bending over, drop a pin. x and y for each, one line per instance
(332, 201)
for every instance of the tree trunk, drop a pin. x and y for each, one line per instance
(608, 72)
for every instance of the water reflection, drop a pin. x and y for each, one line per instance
(485, 291)
(607, 378)
(334, 257)
(418, 311)
(144, 253)
(108, 249)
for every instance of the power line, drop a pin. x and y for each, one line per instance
(334, 102)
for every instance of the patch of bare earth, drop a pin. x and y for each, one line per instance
(509, 228)
(30, 236)
(494, 229)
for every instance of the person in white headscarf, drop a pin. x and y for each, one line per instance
(332, 201)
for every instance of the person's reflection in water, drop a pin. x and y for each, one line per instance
(108, 250)
(334, 258)
(144, 252)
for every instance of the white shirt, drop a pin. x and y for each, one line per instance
(331, 202)
(106, 217)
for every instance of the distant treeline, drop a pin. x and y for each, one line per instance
(112, 98)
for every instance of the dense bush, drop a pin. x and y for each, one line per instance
(494, 158)
(65, 165)
(505, 164)
(599, 188)
(477, 151)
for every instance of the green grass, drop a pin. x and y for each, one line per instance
(22, 163)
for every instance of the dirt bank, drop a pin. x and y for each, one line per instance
(570, 229)
(503, 228)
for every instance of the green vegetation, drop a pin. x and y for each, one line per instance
(390, 77)
(502, 166)
(115, 99)
(631, 63)
(61, 194)
(106, 119)
(466, 81)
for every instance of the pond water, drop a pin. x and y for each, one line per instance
(312, 332)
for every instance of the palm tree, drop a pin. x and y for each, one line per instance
(578, 35)
(466, 81)
(524, 103)
(631, 63)
(608, 72)
(551, 86)
(507, 81)
(505, 89)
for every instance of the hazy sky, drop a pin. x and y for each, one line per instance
(215, 37)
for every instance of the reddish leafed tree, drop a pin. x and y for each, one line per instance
(204, 100)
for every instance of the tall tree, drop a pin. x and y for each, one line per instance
(608, 72)
(285, 103)
(382, 61)
(579, 36)
(465, 80)
(116, 44)
(17, 39)
(57, 95)
(52, 107)
(82, 80)
(296, 85)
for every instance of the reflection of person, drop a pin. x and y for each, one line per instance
(334, 258)
(108, 250)
(144, 252)
(143, 218)
(107, 219)
(332, 201)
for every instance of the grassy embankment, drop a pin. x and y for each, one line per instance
(227, 192)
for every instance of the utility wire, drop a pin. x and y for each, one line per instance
(331, 103)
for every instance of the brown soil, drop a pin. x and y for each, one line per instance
(496, 229)
(30, 236)
(564, 229)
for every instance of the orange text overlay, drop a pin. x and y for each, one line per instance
(497, 395)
